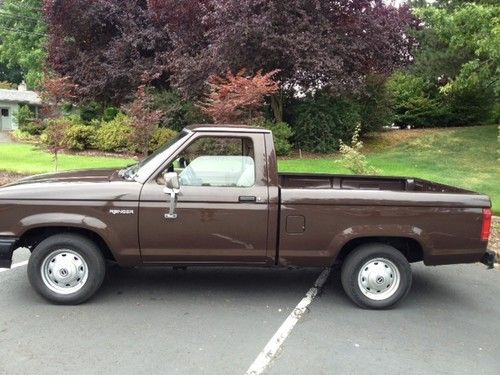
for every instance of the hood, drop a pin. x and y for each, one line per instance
(92, 184)
(90, 175)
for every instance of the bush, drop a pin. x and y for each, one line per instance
(114, 135)
(26, 121)
(177, 112)
(160, 137)
(24, 137)
(79, 137)
(415, 103)
(34, 128)
(24, 116)
(90, 111)
(282, 133)
(320, 120)
(352, 157)
(110, 113)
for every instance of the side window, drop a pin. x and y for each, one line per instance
(217, 161)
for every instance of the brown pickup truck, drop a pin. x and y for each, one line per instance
(213, 196)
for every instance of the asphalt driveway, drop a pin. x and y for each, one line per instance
(217, 321)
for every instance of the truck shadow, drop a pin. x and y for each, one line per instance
(249, 284)
(432, 287)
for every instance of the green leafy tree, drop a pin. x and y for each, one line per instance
(22, 40)
(459, 55)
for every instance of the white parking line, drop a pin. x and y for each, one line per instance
(271, 349)
(15, 265)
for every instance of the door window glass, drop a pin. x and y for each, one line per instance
(217, 161)
(5, 112)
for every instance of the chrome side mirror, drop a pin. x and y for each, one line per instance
(172, 187)
(171, 180)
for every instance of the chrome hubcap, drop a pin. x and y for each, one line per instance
(379, 279)
(64, 271)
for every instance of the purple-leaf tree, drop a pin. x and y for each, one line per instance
(328, 44)
(106, 47)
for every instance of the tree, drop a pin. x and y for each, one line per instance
(328, 44)
(107, 47)
(236, 98)
(458, 61)
(54, 137)
(144, 120)
(55, 92)
(22, 41)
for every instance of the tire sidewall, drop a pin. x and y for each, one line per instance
(81, 245)
(361, 256)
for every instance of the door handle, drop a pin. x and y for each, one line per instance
(247, 199)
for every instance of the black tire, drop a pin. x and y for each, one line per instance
(85, 249)
(361, 256)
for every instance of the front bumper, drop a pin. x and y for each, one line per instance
(489, 258)
(7, 247)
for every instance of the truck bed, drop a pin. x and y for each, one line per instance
(348, 182)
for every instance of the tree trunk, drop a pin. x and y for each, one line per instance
(277, 106)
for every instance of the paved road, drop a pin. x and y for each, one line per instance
(216, 321)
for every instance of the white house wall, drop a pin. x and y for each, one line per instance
(8, 123)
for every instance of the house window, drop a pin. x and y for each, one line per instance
(5, 112)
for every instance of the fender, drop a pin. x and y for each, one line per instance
(391, 230)
(125, 252)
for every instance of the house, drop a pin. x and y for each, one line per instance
(10, 100)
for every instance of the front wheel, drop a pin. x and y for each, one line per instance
(66, 269)
(376, 276)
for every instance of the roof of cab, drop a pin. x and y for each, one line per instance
(226, 128)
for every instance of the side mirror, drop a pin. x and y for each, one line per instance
(171, 180)
(171, 188)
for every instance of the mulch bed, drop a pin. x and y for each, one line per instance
(7, 177)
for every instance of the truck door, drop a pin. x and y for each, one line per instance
(221, 213)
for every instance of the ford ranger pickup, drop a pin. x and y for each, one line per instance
(213, 196)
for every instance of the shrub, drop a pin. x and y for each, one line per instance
(114, 135)
(26, 121)
(79, 137)
(160, 137)
(414, 102)
(24, 116)
(352, 158)
(110, 113)
(24, 137)
(34, 128)
(320, 120)
(90, 111)
(282, 133)
(177, 113)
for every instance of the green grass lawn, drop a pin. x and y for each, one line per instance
(28, 159)
(463, 157)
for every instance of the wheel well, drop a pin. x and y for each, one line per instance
(33, 237)
(409, 247)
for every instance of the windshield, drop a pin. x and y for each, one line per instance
(143, 169)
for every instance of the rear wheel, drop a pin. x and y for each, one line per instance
(376, 276)
(66, 269)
